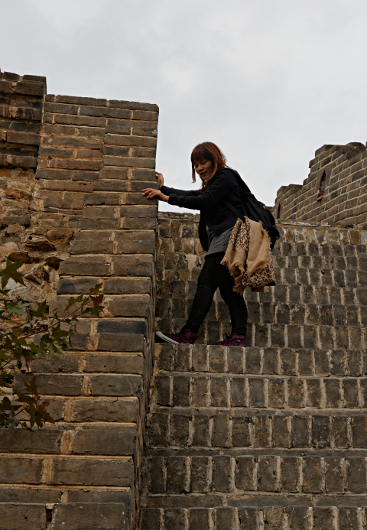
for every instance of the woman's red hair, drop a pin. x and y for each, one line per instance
(207, 151)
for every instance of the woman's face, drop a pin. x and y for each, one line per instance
(204, 168)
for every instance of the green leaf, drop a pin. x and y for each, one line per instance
(41, 310)
(16, 308)
(10, 272)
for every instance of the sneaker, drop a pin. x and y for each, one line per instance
(184, 337)
(234, 340)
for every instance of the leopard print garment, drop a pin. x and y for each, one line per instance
(236, 259)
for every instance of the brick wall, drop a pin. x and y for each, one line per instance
(343, 168)
(268, 437)
(320, 272)
(274, 435)
(71, 173)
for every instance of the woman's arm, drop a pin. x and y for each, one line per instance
(164, 191)
(212, 196)
(181, 193)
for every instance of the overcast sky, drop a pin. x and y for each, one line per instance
(269, 81)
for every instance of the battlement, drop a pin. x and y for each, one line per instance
(338, 174)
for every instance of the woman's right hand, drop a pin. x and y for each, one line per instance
(159, 177)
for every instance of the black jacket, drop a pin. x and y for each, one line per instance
(213, 212)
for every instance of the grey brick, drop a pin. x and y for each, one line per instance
(248, 518)
(323, 519)
(199, 474)
(320, 432)
(298, 518)
(21, 470)
(348, 518)
(105, 441)
(224, 518)
(176, 474)
(93, 472)
(356, 475)
(312, 475)
(201, 432)
(333, 476)
(46, 441)
(84, 516)
(244, 477)
(220, 434)
(115, 385)
(267, 474)
(221, 473)
(23, 517)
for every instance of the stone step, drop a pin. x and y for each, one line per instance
(293, 336)
(294, 316)
(205, 378)
(215, 430)
(202, 359)
(248, 515)
(225, 476)
(36, 516)
(224, 391)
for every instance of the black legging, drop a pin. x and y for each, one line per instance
(212, 276)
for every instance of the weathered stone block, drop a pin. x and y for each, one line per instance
(181, 391)
(15, 470)
(222, 473)
(93, 472)
(21, 441)
(244, 474)
(116, 410)
(140, 265)
(47, 384)
(76, 516)
(82, 268)
(334, 475)
(356, 475)
(199, 518)
(55, 364)
(102, 440)
(151, 519)
(176, 474)
(120, 342)
(312, 475)
(130, 306)
(248, 518)
(23, 517)
(268, 473)
(115, 385)
(199, 474)
(92, 247)
(129, 364)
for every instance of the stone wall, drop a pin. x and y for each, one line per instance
(342, 171)
(320, 273)
(272, 436)
(71, 173)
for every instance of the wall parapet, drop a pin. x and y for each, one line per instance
(335, 190)
(71, 174)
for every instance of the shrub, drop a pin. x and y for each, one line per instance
(29, 331)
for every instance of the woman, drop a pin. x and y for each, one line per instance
(219, 185)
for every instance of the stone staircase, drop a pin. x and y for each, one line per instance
(273, 436)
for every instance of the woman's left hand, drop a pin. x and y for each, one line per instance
(151, 193)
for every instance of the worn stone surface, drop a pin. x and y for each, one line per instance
(71, 174)
(269, 436)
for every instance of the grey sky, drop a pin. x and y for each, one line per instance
(269, 81)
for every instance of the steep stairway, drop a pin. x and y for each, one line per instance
(273, 436)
